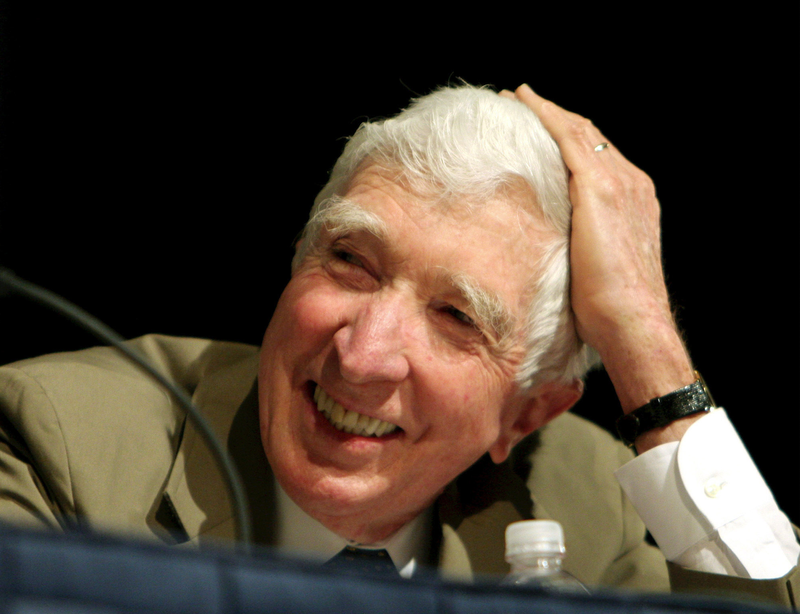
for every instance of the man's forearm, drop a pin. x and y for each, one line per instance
(646, 360)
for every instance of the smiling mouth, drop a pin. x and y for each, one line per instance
(350, 421)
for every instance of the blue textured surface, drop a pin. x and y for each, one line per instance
(43, 573)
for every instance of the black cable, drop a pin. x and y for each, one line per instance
(9, 282)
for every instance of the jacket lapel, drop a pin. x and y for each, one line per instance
(474, 512)
(196, 493)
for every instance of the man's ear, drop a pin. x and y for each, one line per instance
(532, 412)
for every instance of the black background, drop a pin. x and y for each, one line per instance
(158, 159)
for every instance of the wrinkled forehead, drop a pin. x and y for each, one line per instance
(515, 193)
(513, 190)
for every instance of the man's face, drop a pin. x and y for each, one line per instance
(382, 326)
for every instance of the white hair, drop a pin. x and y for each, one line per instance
(463, 145)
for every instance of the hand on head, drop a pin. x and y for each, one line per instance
(618, 293)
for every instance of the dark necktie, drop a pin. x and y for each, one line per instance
(361, 560)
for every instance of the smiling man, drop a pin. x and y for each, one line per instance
(382, 376)
(413, 381)
(408, 315)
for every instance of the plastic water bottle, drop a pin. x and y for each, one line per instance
(535, 550)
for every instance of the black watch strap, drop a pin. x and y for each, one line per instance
(691, 399)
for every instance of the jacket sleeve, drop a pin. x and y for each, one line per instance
(783, 591)
(34, 477)
(87, 439)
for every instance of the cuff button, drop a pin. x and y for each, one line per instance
(713, 487)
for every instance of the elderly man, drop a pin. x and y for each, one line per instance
(445, 295)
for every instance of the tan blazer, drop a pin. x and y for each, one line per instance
(87, 439)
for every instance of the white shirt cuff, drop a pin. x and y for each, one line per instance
(707, 506)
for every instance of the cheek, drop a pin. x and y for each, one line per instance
(304, 310)
(296, 335)
(469, 401)
(312, 311)
(316, 313)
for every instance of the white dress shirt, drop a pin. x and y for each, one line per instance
(707, 506)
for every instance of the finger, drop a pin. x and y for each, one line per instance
(537, 103)
(576, 136)
(507, 94)
(566, 127)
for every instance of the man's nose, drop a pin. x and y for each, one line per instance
(373, 345)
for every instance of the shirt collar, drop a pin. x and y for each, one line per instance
(300, 534)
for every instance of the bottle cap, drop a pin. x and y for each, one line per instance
(539, 536)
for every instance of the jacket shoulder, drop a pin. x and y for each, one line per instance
(97, 435)
(570, 473)
(183, 360)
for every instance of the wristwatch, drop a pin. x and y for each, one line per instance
(691, 399)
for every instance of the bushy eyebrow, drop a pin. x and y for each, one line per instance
(488, 307)
(341, 216)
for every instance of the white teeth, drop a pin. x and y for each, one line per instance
(384, 428)
(350, 421)
(336, 414)
(361, 424)
(370, 428)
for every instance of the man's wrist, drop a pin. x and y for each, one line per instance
(646, 360)
(646, 365)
